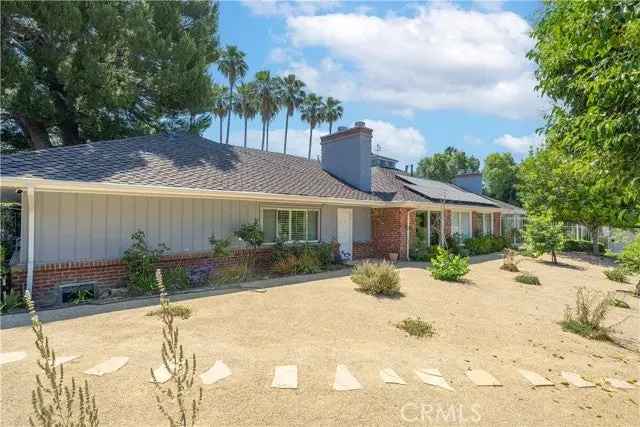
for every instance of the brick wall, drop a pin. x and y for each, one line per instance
(363, 250)
(389, 231)
(447, 222)
(112, 273)
(497, 229)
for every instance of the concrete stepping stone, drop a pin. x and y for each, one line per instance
(345, 381)
(65, 359)
(621, 384)
(162, 374)
(285, 377)
(433, 377)
(217, 372)
(389, 376)
(13, 356)
(482, 378)
(576, 380)
(535, 379)
(108, 366)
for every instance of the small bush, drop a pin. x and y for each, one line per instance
(140, 260)
(485, 245)
(377, 278)
(616, 274)
(416, 327)
(509, 262)
(423, 253)
(176, 278)
(619, 303)
(450, 267)
(286, 266)
(233, 274)
(10, 301)
(309, 263)
(581, 246)
(177, 310)
(220, 248)
(586, 318)
(528, 279)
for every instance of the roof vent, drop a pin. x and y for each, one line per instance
(359, 124)
(342, 128)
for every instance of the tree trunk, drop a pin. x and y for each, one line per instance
(310, 136)
(229, 114)
(69, 126)
(594, 240)
(330, 127)
(267, 136)
(554, 258)
(35, 131)
(220, 119)
(286, 129)
(262, 144)
(245, 132)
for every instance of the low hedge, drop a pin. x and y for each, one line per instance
(581, 246)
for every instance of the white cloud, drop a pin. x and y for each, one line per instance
(407, 113)
(490, 5)
(290, 8)
(520, 144)
(406, 144)
(442, 57)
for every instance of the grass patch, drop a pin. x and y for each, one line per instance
(416, 327)
(177, 310)
(616, 275)
(586, 317)
(528, 279)
(619, 303)
(377, 278)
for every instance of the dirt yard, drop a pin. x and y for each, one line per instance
(490, 323)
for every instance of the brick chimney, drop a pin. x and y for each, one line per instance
(346, 155)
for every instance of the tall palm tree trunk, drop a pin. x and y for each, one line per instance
(230, 109)
(268, 124)
(310, 136)
(330, 127)
(220, 129)
(262, 144)
(286, 129)
(245, 132)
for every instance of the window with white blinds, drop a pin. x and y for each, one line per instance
(486, 224)
(460, 224)
(290, 225)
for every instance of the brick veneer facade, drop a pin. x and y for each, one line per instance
(497, 224)
(389, 230)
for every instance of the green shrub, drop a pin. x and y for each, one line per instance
(233, 274)
(220, 248)
(176, 278)
(581, 246)
(528, 279)
(309, 263)
(423, 252)
(177, 310)
(447, 266)
(140, 261)
(377, 278)
(485, 245)
(286, 266)
(586, 318)
(616, 274)
(630, 260)
(306, 258)
(251, 234)
(11, 301)
(416, 327)
(544, 235)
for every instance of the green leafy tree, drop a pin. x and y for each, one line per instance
(332, 111)
(446, 165)
(246, 105)
(291, 94)
(588, 60)
(544, 235)
(220, 106)
(572, 191)
(312, 109)
(83, 71)
(234, 67)
(500, 174)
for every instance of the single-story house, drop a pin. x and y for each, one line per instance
(81, 204)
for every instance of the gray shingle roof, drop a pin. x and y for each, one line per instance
(190, 161)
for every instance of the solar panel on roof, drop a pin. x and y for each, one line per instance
(443, 191)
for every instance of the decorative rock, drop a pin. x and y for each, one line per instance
(217, 372)
(576, 380)
(108, 366)
(535, 379)
(621, 384)
(285, 377)
(389, 376)
(345, 381)
(433, 377)
(482, 378)
(12, 357)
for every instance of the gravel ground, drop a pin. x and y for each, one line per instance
(490, 323)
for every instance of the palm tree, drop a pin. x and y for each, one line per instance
(220, 106)
(291, 96)
(267, 100)
(234, 67)
(246, 104)
(312, 110)
(332, 111)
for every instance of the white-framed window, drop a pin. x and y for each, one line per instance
(487, 224)
(461, 224)
(290, 224)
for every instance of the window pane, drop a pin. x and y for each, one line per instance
(269, 225)
(298, 231)
(283, 225)
(465, 226)
(312, 225)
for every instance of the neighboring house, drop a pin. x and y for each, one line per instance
(80, 204)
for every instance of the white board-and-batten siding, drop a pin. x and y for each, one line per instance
(77, 226)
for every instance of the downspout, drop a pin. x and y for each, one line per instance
(31, 226)
(409, 229)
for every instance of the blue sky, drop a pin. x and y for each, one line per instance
(423, 75)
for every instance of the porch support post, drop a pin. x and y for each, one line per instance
(31, 227)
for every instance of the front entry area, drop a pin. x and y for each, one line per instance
(429, 227)
(345, 232)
